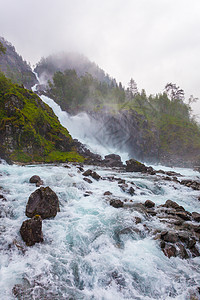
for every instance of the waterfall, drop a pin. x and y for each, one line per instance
(83, 128)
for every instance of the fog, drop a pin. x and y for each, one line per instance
(154, 42)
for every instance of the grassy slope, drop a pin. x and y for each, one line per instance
(29, 129)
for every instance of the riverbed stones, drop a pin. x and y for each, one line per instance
(31, 231)
(43, 202)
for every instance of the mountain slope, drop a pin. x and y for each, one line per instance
(46, 67)
(29, 130)
(14, 67)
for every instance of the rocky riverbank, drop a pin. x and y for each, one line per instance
(127, 205)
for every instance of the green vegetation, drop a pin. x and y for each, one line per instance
(75, 93)
(168, 115)
(29, 130)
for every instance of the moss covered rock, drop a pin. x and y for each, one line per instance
(29, 130)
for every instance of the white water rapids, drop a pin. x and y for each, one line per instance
(83, 255)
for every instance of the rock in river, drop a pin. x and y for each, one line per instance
(43, 202)
(31, 231)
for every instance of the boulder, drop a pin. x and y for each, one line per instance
(149, 204)
(196, 216)
(91, 173)
(174, 205)
(43, 202)
(36, 179)
(133, 165)
(31, 231)
(170, 237)
(113, 160)
(183, 215)
(116, 203)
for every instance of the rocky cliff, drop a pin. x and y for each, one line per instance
(170, 141)
(14, 67)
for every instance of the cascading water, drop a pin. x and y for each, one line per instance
(84, 129)
(92, 250)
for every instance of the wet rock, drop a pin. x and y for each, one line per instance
(87, 173)
(195, 252)
(37, 180)
(121, 181)
(43, 202)
(169, 250)
(191, 243)
(126, 189)
(173, 204)
(131, 191)
(182, 253)
(95, 176)
(149, 204)
(87, 180)
(112, 160)
(133, 165)
(137, 220)
(31, 231)
(170, 237)
(172, 173)
(67, 167)
(91, 173)
(80, 169)
(184, 236)
(191, 183)
(196, 216)
(196, 228)
(162, 244)
(183, 215)
(107, 193)
(151, 212)
(116, 203)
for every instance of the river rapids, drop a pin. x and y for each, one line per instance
(92, 250)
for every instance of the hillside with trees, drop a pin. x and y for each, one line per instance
(171, 127)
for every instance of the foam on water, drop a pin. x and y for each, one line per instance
(84, 254)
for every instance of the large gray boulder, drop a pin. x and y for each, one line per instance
(43, 202)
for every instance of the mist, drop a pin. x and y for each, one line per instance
(154, 42)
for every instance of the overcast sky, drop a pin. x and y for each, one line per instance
(152, 41)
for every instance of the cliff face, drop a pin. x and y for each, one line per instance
(15, 68)
(127, 131)
(29, 130)
(171, 142)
